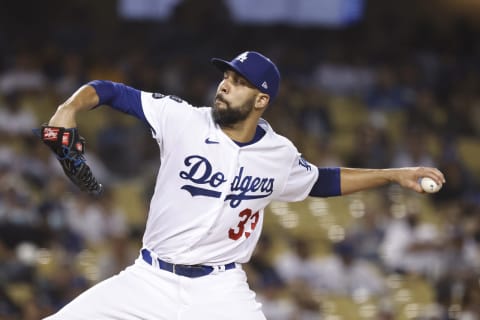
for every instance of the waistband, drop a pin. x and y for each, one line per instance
(190, 271)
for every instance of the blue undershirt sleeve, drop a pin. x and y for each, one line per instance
(120, 97)
(328, 183)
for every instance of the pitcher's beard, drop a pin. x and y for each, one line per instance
(228, 116)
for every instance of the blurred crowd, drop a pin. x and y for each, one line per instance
(414, 101)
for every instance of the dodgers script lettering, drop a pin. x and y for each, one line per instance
(205, 182)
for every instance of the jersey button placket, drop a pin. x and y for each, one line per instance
(231, 175)
(223, 205)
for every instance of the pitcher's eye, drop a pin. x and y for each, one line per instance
(242, 81)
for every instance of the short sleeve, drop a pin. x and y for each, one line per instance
(300, 181)
(166, 115)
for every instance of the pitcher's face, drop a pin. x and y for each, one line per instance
(234, 99)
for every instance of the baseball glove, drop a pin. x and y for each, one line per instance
(69, 148)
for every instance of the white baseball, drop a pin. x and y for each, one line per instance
(429, 185)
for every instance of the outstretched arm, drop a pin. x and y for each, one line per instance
(342, 181)
(353, 180)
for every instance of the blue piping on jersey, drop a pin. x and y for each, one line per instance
(259, 133)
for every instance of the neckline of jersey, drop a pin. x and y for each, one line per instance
(259, 133)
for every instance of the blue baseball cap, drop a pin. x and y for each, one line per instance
(256, 68)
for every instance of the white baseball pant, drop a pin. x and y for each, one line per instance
(145, 292)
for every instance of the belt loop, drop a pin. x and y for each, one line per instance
(218, 269)
(154, 256)
(215, 270)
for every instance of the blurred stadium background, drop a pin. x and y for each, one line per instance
(366, 83)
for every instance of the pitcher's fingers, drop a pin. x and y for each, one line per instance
(435, 174)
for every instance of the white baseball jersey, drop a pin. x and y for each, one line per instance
(208, 203)
(207, 209)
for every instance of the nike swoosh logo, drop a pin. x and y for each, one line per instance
(208, 141)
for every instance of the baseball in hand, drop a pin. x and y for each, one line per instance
(429, 185)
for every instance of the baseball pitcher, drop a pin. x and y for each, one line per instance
(220, 167)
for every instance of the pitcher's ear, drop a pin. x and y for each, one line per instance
(262, 100)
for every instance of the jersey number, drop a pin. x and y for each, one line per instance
(247, 221)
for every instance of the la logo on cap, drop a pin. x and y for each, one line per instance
(259, 70)
(243, 57)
